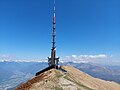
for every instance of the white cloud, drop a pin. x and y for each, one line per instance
(7, 57)
(84, 58)
(42, 60)
(72, 58)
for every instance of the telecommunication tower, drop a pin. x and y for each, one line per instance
(53, 60)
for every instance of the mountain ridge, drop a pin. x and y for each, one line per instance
(73, 79)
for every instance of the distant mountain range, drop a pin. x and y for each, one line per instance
(110, 73)
(14, 73)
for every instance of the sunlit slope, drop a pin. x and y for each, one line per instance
(73, 79)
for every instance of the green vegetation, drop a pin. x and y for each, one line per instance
(58, 74)
(57, 88)
(68, 77)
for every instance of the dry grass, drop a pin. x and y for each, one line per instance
(73, 80)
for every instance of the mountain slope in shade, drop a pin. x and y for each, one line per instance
(73, 79)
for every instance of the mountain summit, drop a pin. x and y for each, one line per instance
(68, 78)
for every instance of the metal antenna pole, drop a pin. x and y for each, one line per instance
(54, 26)
(53, 61)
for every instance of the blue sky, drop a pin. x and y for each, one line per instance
(87, 27)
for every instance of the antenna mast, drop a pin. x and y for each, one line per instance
(54, 26)
(53, 61)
